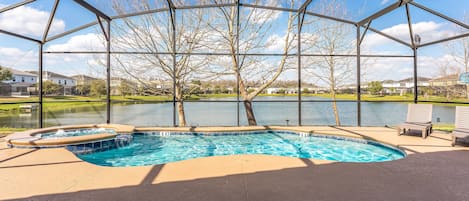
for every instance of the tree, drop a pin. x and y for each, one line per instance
(124, 88)
(83, 89)
(375, 87)
(154, 33)
(5, 74)
(98, 88)
(50, 88)
(332, 37)
(255, 30)
(459, 51)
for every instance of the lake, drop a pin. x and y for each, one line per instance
(224, 114)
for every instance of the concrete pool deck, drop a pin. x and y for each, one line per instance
(433, 170)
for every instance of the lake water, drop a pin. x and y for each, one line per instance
(225, 114)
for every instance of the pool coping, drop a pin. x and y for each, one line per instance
(28, 139)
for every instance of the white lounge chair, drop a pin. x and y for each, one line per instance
(419, 117)
(461, 129)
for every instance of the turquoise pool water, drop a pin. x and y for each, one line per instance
(75, 132)
(148, 149)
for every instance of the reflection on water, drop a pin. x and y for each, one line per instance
(224, 114)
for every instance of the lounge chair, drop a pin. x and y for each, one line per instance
(419, 117)
(461, 129)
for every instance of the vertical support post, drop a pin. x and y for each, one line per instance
(415, 76)
(237, 59)
(108, 73)
(359, 93)
(300, 23)
(41, 54)
(173, 22)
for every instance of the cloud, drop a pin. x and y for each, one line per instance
(86, 42)
(384, 2)
(428, 31)
(26, 20)
(17, 58)
(261, 16)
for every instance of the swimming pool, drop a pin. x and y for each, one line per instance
(158, 148)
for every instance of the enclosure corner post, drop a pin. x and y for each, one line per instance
(108, 73)
(358, 86)
(41, 54)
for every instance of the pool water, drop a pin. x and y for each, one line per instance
(75, 132)
(149, 149)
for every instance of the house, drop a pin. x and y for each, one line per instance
(56, 78)
(20, 83)
(83, 79)
(408, 83)
(21, 77)
(390, 86)
(67, 83)
(449, 80)
(449, 86)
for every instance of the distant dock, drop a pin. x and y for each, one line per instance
(28, 108)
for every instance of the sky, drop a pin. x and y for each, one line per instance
(30, 20)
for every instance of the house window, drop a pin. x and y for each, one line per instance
(32, 79)
(22, 79)
(65, 82)
(14, 79)
(60, 81)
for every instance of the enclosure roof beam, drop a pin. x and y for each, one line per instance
(94, 10)
(207, 6)
(304, 6)
(20, 36)
(71, 31)
(302, 11)
(171, 4)
(268, 7)
(49, 22)
(140, 13)
(409, 23)
(331, 18)
(382, 12)
(171, 14)
(388, 36)
(106, 34)
(364, 33)
(445, 40)
(440, 15)
(16, 5)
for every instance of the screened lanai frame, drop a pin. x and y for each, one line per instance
(104, 21)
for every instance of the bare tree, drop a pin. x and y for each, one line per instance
(153, 34)
(255, 30)
(459, 51)
(331, 38)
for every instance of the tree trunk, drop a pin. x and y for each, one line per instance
(250, 113)
(334, 107)
(180, 106)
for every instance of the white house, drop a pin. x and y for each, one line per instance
(409, 82)
(20, 83)
(56, 78)
(21, 77)
(66, 82)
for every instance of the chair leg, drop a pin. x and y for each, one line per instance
(453, 141)
(424, 133)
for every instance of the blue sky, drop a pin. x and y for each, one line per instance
(30, 20)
